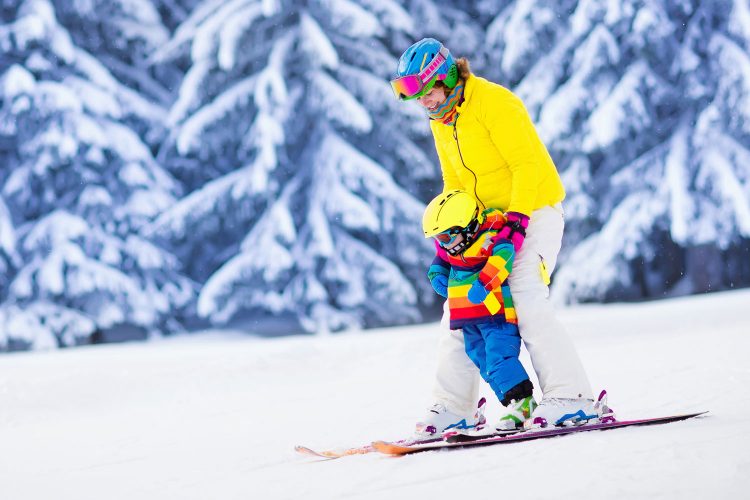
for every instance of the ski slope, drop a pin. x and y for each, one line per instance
(217, 415)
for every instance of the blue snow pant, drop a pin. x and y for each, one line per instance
(494, 348)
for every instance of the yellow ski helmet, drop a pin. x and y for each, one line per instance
(450, 209)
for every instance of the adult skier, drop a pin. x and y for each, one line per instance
(488, 147)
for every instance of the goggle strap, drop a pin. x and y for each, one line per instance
(426, 74)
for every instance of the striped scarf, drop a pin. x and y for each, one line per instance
(446, 112)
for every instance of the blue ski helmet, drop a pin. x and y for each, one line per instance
(419, 68)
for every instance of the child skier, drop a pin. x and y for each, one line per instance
(471, 269)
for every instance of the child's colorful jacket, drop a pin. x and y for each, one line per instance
(487, 261)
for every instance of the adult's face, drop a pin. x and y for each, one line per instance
(434, 98)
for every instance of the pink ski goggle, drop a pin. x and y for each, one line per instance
(411, 86)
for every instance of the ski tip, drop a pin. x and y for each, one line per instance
(305, 450)
(312, 453)
(685, 416)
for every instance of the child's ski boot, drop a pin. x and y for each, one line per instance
(516, 413)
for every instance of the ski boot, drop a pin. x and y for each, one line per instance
(516, 413)
(440, 420)
(570, 411)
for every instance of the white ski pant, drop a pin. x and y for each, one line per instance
(556, 362)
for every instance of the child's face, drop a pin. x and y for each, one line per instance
(454, 242)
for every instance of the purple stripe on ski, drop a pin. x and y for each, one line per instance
(394, 449)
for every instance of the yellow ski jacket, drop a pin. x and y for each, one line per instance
(494, 151)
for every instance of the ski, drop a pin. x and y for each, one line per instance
(361, 450)
(404, 449)
(413, 441)
(467, 437)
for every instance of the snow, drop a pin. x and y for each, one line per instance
(315, 44)
(7, 232)
(94, 70)
(236, 96)
(349, 19)
(94, 196)
(54, 229)
(528, 19)
(391, 14)
(231, 36)
(334, 101)
(15, 81)
(219, 298)
(739, 20)
(189, 93)
(125, 142)
(217, 415)
(147, 204)
(623, 113)
(205, 42)
(145, 254)
(601, 260)
(729, 192)
(37, 323)
(96, 100)
(35, 19)
(677, 183)
(185, 32)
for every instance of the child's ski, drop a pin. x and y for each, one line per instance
(361, 450)
(368, 448)
(403, 449)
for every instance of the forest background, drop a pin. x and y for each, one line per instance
(172, 165)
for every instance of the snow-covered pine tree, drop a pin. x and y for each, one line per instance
(121, 34)
(644, 107)
(174, 12)
(78, 184)
(305, 174)
(9, 260)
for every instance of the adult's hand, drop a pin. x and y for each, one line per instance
(514, 229)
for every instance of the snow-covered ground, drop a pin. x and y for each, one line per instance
(217, 415)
